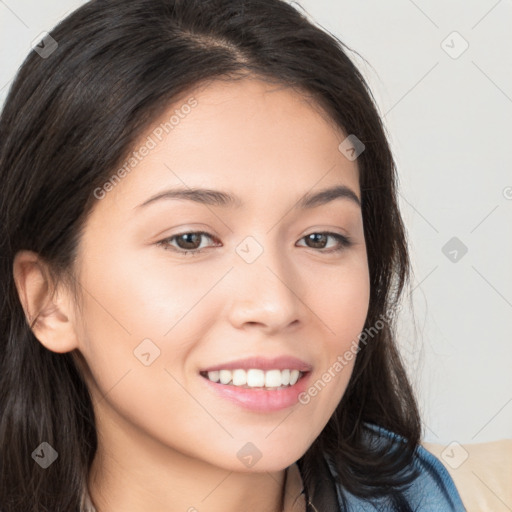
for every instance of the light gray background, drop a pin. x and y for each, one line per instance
(449, 120)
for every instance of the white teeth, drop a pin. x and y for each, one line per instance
(213, 376)
(239, 378)
(255, 378)
(294, 377)
(273, 379)
(225, 376)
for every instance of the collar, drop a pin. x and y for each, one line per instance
(294, 497)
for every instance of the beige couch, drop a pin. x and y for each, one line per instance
(482, 473)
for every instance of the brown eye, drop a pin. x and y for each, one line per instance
(189, 240)
(320, 240)
(186, 243)
(189, 243)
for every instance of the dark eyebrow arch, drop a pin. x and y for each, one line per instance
(219, 198)
(313, 199)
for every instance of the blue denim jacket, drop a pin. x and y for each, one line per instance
(432, 491)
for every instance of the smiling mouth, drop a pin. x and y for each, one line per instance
(255, 378)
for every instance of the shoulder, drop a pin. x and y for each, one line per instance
(432, 489)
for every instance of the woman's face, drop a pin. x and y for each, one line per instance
(268, 282)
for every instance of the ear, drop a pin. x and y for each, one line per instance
(52, 312)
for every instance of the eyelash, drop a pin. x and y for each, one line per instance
(344, 242)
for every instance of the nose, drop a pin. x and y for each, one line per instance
(266, 293)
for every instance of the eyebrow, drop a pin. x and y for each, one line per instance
(224, 199)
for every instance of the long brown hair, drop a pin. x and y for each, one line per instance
(72, 116)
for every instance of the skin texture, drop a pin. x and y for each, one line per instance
(167, 443)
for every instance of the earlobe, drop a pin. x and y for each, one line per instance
(47, 310)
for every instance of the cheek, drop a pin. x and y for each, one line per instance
(141, 320)
(142, 293)
(342, 301)
(135, 369)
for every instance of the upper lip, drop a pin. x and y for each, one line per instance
(263, 363)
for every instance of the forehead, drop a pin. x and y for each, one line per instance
(248, 136)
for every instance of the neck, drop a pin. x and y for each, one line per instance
(134, 473)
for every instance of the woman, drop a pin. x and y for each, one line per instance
(202, 251)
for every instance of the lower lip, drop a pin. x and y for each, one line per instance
(261, 400)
